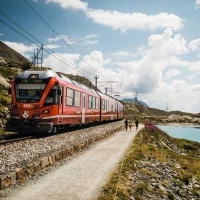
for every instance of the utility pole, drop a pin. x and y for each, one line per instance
(166, 107)
(41, 56)
(36, 56)
(106, 90)
(96, 77)
(136, 97)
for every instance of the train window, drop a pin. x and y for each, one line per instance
(73, 97)
(52, 97)
(83, 101)
(29, 92)
(89, 101)
(77, 98)
(97, 103)
(107, 104)
(70, 94)
(103, 104)
(93, 102)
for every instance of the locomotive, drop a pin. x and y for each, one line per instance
(45, 101)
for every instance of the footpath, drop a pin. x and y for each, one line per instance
(82, 176)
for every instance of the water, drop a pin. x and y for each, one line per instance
(189, 132)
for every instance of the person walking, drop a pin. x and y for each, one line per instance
(136, 124)
(126, 124)
(130, 124)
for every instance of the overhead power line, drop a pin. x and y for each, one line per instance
(45, 49)
(60, 36)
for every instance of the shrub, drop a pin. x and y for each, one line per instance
(150, 126)
(26, 65)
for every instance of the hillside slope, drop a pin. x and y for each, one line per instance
(11, 55)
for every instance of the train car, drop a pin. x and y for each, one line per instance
(44, 101)
(111, 109)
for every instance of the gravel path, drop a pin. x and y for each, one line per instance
(82, 176)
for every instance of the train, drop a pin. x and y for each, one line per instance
(43, 100)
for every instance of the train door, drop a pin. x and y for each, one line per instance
(83, 108)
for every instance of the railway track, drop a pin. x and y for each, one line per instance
(13, 138)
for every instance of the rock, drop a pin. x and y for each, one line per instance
(3, 81)
(44, 162)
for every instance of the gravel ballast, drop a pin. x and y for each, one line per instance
(81, 176)
(15, 157)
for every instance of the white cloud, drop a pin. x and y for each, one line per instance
(129, 21)
(94, 63)
(66, 63)
(197, 4)
(167, 46)
(70, 4)
(21, 48)
(194, 67)
(172, 73)
(145, 75)
(123, 53)
(61, 37)
(194, 45)
(91, 36)
(88, 42)
(51, 46)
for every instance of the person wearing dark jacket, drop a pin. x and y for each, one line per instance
(126, 124)
(136, 124)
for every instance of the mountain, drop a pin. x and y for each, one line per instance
(135, 100)
(11, 55)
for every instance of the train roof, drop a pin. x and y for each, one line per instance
(46, 73)
(42, 73)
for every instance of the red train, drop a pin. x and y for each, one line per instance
(44, 101)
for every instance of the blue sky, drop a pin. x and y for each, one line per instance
(150, 46)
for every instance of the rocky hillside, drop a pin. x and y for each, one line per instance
(11, 64)
(10, 55)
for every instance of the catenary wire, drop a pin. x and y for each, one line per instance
(60, 36)
(41, 44)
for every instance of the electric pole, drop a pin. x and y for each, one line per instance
(166, 107)
(96, 77)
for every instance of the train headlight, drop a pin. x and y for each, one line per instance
(45, 112)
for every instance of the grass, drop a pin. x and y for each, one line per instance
(153, 144)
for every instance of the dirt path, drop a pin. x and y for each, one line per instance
(82, 177)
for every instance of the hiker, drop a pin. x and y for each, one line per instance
(130, 124)
(126, 124)
(136, 124)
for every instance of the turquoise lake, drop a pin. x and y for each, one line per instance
(189, 132)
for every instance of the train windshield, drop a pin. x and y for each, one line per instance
(29, 92)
